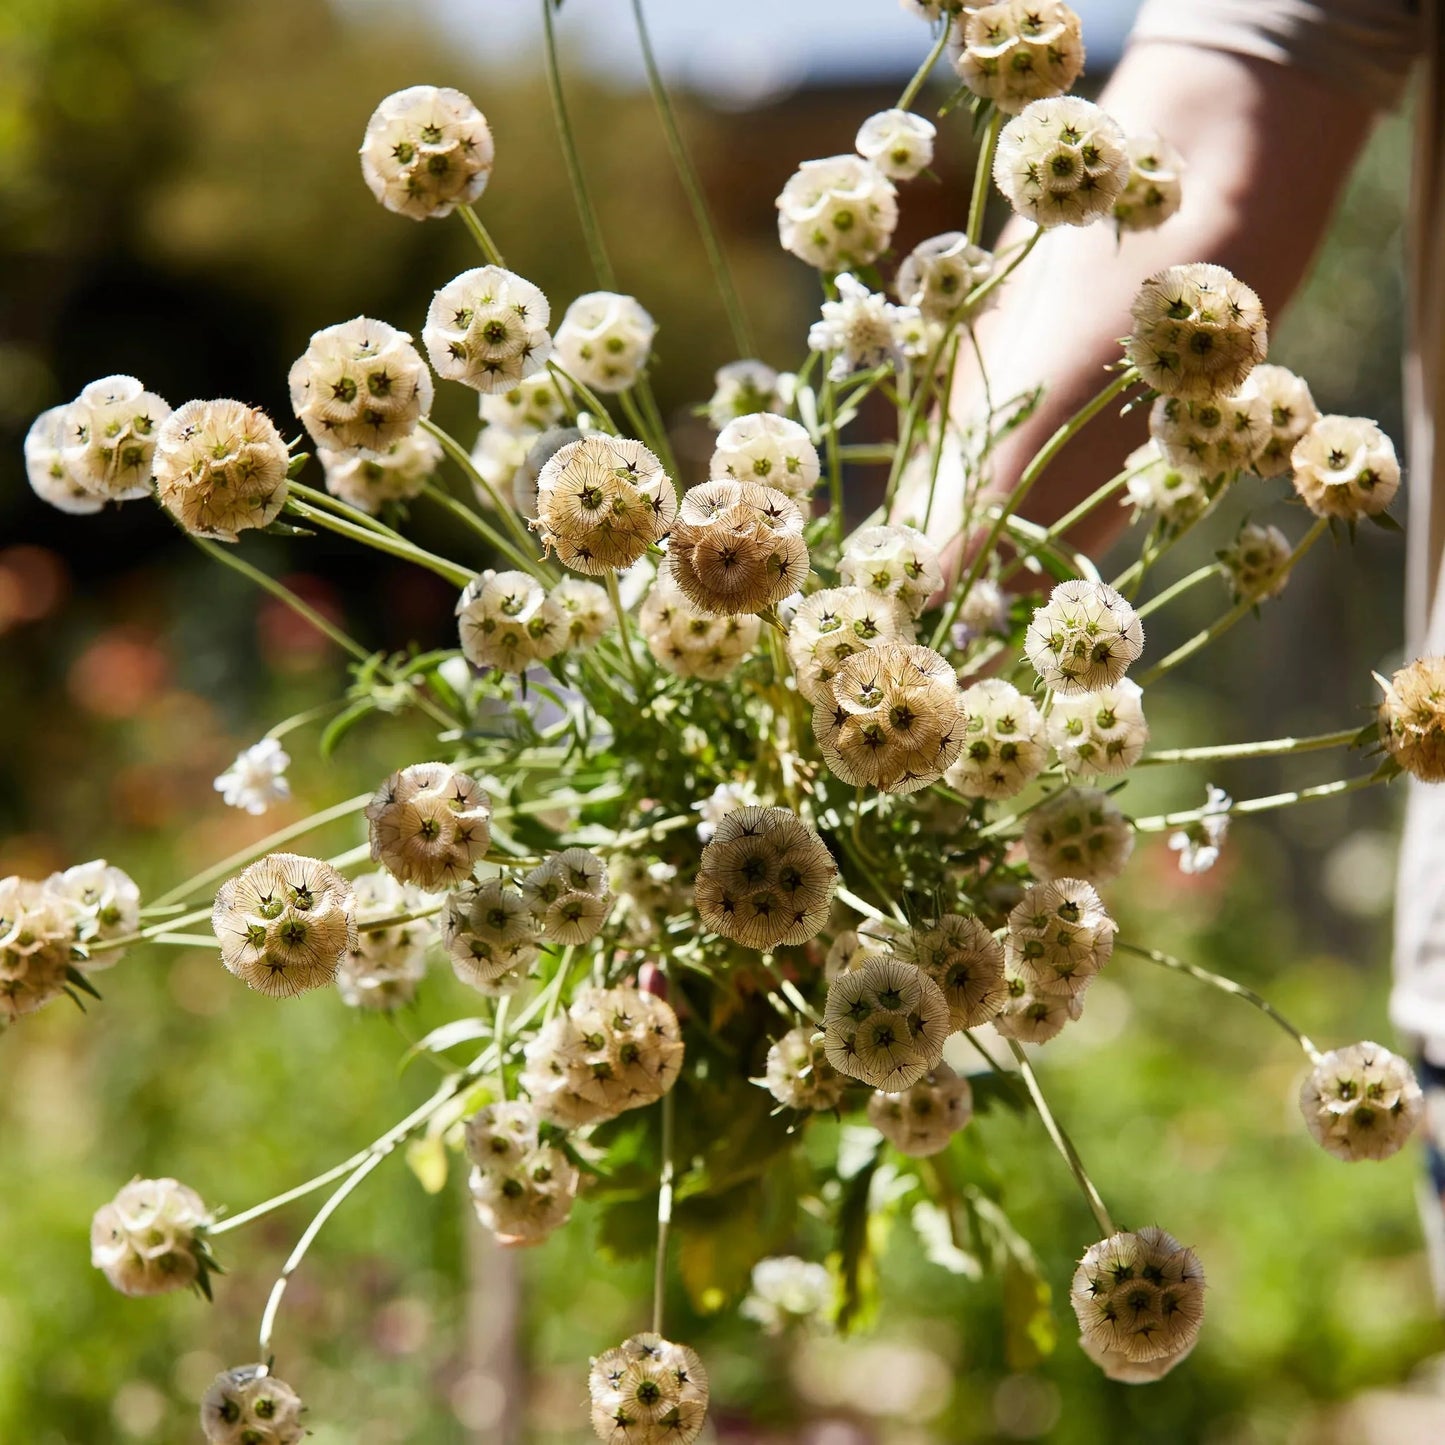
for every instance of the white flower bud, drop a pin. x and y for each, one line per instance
(1197, 332)
(487, 328)
(1178, 495)
(1100, 734)
(724, 799)
(862, 329)
(885, 1023)
(506, 620)
(105, 903)
(1256, 562)
(108, 437)
(892, 561)
(938, 275)
(368, 480)
(1079, 833)
(1361, 1102)
(898, 142)
(257, 778)
(535, 405)
(1140, 1295)
(768, 449)
(1003, 742)
(648, 1391)
(985, 609)
(1083, 638)
(249, 1406)
(798, 1073)
(743, 388)
(150, 1239)
(1345, 466)
(1061, 162)
(1017, 51)
(1292, 412)
(429, 825)
(426, 151)
(837, 213)
(604, 341)
(51, 479)
(1059, 937)
(36, 929)
(1153, 191)
(921, 1120)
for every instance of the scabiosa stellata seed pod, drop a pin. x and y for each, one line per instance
(1257, 562)
(429, 825)
(569, 896)
(1197, 332)
(1084, 637)
(984, 610)
(502, 1134)
(426, 151)
(382, 972)
(736, 547)
(771, 450)
(1216, 436)
(1176, 494)
(743, 388)
(861, 329)
(614, 1049)
(524, 1202)
(787, 1290)
(1061, 162)
(36, 930)
(938, 275)
(220, 468)
(285, 923)
(765, 879)
(487, 329)
(1361, 1102)
(506, 620)
(1003, 742)
(368, 480)
(898, 142)
(798, 1074)
(1139, 1294)
(498, 457)
(1100, 734)
(108, 437)
(489, 932)
(1032, 1016)
(602, 502)
(1017, 51)
(966, 962)
(587, 610)
(1292, 412)
(833, 625)
(724, 799)
(648, 1391)
(1153, 191)
(539, 453)
(893, 561)
(921, 1120)
(1079, 833)
(885, 1023)
(1412, 718)
(1059, 937)
(1118, 1366)
(104, 903)
(692, 643)
(249, 1406)
(150, 1239)
(50, 478)
(536, 405)
(837, 213)
(1345, 466)
(604, 340)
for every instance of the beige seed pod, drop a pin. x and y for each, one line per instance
(604, 341)
(285, 923)
(1059, 937)
(108, 437)
(833, 625)
(1061, 162)
(587, 611)
(1412, 718)
(508, 621)
(1118, 1366)
(940, 274)
(1079, 833)
(150, 1239)
(250, 1406)
(1083, 638)
(770, 450)
(798, 1073)
(1361, 1102)
(45, 467)
(37, 925)
(1033, 1017)
(1017, 51)
(524, 1202)
(602, 502)
(885, 1023)
(1345, 467)
(1139, 1294)
(893, 561)
(692, 643)
(382, 972)
(368, 480)
(427, 150)
(921, 1120)
(765, 879)
(1292, 412)
(648, 1391)
(1153, 192)
(737, 547)
(838, 213)
(1219, 436)
(429, 825)
(1256, 562)
(487, 329)
(1004, 745)
(851, 949)
(568, 896)
(1174, 493)
(891, 718)
(966, 962)
(488, 932)
(1102, 733)
(898, 142)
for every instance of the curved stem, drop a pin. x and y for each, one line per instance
(1072, 518)
(983, 173)
(459, 454)
(146, 935)
(920, 76)
(590, 400)
(300, 719)
(1272, 748)
(1159, 822)
(834, 460)
(1164, 598)
(624, 632)
(481, 236)
(458, 576)
(664, 1208)
(984, 289)
(329, 503)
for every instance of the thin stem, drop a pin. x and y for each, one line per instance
(696, 196)
(858, 905)
(329, 503)
(499, 1042)
(459, 454)
(935, 460)
(984, 289)
(396, 920)
(982, 175)
(664, 1208)
(1159, 822)
(458, 576)
(1071, 519)
(489, 534)
(1225, 985)
(589, 399)
(146, 935)
(1201, 574)
(481, 236)
(591, 230)
(659, 426)
(834, 461)
(300, 719)
(624, 632)
(1062, 1142)
(920, 76)
(641, 426)
(1272, 748)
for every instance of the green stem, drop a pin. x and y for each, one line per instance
(1159, 822)
(457, 576)
(481, 236)
(499, 1042)
(984, 289)
(396, 920)
(1201, 574)
(659, 427)
(1071, 519)
(642, 428)
(834, 461)
(920, 76)
(520, 552)
(145, 935)
(624, 632)
(590, 400)
(982, 175)
(329, 503)
(300, 719)
(1272, 748)
(664, 1208)
(935, 460)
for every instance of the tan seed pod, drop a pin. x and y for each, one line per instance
(430, 825)
(1139, 1294)
(885, 1023)
(921, 1120)
(966, 962)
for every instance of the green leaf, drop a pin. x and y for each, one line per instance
(720, 1239)
(1030, 1332)
(1386, 523)
(342, 724)
(426, 1157)
(857, 1275)
(297, 464)
(448, 1036)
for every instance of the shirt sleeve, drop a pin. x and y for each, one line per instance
(1367, 46)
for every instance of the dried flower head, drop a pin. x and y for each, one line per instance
(1032, 1016)
(614, 1049)
(429, 825)
(1345, 466)
(743, 388)
(487, 328)
(1140, 1295)
(507, 620)
(893, 561)
(966, 962)
(427, 150)
(104, 904)
(724, 799)
(536, 405)
(1061, 162)
(736, 547)
(587, 611)
(1361, 1102)
(108, 438)
(798, 1073)
(837, 213)
(885, 1023)
(1118, 1366)
(1178, 495)
(1153, 191)
(692, 643)
(382, 972)
(220, 468)
(1100, 734)
(1017, 51)
(768, 449)
(602, 502)
(257, 778)
(1079, 833)
(285, 923)
(1198, 845)
(1219, 435)
(150, 1239)
(788, 1291)
(1083, 638)
(861, 329)
(502, 1134)
(765, 879)
(1257, 562)
(489, 932)
(1197, 332)
(898, 142)
(853, 948)
(569, 896)
(1292, 412)
(50, 478)
(1003, 742)
(249, 1406)
(368, 480)
(36, 929)
(922, 1119)
(524, 1202)
(835, 624)
(648, 892)
(1412, 718)
(541, 451)
(498, 457)
(1059, 936)
(938, 276)
(604, 340)
(648, 1391)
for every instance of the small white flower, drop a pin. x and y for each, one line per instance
(837, 212)
(898, 142)
(1198, 845)
(604, 340)
(862, 328)
(786, 1291)
(724, 799)
(257, 778)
